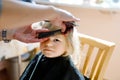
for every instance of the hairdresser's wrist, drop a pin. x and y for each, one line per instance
(11, 34)
(6, 35)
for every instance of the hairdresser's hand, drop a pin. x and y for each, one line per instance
(63, 15)
(28, 35)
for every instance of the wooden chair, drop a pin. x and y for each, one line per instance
(95, 67)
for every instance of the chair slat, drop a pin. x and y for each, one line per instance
(96, 63)
(86, 63)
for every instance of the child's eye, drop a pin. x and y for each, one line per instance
(56, 40)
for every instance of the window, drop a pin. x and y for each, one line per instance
(92, 3)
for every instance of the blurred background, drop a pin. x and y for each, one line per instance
(99, 18)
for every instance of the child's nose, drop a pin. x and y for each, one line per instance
(49, 43)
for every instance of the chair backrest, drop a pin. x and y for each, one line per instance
(101, 50)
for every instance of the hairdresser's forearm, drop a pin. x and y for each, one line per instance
(16, 14)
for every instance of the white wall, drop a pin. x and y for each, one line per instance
(104, 25)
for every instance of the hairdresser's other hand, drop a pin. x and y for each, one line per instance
(28, 35)
(63, 15)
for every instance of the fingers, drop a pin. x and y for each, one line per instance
(29, 38)
(63, 27)
(63, 24)
(42, 30)
(70, 18)
(63, 16)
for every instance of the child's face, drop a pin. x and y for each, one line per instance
(55, 46)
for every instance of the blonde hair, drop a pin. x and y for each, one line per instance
(76, 47)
